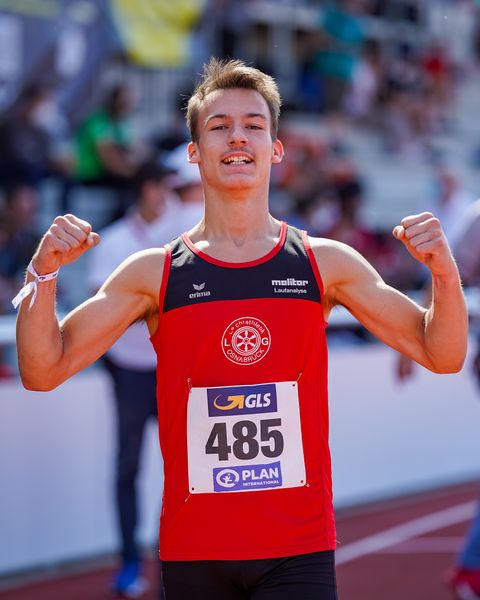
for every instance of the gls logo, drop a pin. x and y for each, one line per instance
(250, 401)
(245, 400)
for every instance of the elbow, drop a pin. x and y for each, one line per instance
(454, 365)
(447, 358)
(40, 377)
(36, 384)
(446, 370)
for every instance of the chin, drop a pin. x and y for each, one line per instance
(239, 182)
(237, 186)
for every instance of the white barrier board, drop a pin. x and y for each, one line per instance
(57, 452)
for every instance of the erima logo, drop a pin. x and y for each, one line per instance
(290, 281)
(199, 292)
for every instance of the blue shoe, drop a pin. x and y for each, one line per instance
(128, 583)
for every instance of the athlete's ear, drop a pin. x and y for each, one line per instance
(277, 151)
(193, 153)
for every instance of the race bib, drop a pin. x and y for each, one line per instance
(244, 438)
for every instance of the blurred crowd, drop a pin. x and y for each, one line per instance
(403, 92)
(368, 61)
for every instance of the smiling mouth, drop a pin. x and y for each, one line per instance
(237, 160)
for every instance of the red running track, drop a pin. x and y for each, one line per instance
(393, 550)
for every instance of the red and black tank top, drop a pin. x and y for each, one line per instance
(243, 405)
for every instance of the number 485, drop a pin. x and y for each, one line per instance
(245, 445)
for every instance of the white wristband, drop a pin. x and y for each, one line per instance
(32, 286)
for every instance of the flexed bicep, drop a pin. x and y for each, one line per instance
(129, 294)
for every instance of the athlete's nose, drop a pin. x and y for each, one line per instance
(237, 136)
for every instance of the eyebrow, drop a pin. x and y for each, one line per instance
(225, 116)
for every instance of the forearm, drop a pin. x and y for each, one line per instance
(39, 341)
(44, 356)
(446, 324)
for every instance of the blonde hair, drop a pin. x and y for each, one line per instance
(227, 74)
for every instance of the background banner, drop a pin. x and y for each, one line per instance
(157, 33)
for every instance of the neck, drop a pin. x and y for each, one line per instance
(238, 218)
(236, 231)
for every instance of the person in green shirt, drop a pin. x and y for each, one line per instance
(104, 143)
(106, 153)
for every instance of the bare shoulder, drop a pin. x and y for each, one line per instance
(337, 261)
(140, 273)
(324, 247)
(339, 266)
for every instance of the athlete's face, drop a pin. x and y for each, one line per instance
(235, 149)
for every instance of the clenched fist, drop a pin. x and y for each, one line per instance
(67, 238)
(423, 237)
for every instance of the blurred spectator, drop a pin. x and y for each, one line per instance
(362, 95)
(311, 85)
(348, 227)
(450, 202)
(302, 175)
(188, 185)
(18, 242)
(131, 361)
(231, 24)
(341, 41)
(18, 238)
(406, 108)
(34, 138)
(106, 153)
(176, 133)
(440, 80)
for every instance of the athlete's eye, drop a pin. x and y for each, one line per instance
(218, 127)
(254, 126)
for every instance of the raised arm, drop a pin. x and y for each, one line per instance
(435, 337)
(50, 352)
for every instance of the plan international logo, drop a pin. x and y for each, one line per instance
(289, 286)
(238, 479)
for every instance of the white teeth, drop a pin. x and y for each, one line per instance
(237, 160)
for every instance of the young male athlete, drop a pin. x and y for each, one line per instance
(237, 310)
